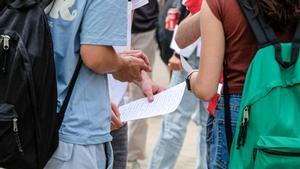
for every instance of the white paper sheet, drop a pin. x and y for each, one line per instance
(186, 66)
(199, 47)
(164, 103)
(117, 89)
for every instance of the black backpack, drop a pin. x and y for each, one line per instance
(28, 120)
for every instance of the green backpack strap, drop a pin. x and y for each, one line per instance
(295, 50)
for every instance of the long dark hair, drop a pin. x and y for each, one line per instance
(280, 14)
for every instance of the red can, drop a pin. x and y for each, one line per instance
(172, 18)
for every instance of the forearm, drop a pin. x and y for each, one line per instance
(203, 86)
(188, 31)
(101, 59)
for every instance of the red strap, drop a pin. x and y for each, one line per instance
(212, 105)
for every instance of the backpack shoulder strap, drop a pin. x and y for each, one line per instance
(21, 4)
(263, 32)
(265, 35)
(227, 112)
(297, 33)
(71, 86)
(45, 3)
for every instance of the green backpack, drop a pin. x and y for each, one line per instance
(268, 126)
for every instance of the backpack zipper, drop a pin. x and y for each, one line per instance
(243, 128)
(16, 133)
(5, 40)
(275, 152)
(17, 137)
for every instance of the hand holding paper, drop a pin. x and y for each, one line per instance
(174, 64)
(148, 87)
(164, 103)
(115, 120)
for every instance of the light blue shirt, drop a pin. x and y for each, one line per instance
(76, 22)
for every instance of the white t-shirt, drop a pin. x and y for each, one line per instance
(186, 52)
(138, 3)
(118, 89)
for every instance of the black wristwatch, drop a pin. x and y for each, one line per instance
(188, 80)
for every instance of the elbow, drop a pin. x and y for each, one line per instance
(180, 42)
(205, 93)
(179, 39)
(87, 58)
(89, 62)
(93, 58)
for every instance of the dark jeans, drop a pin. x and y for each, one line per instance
(120, 148)
(218, 156)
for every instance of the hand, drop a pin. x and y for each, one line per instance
(134, 62)
(175, 63)
(148, 87)
(138, 54)
(115, 119)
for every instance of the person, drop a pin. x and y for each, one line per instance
(87, 30)
(174, 125)
(143, 38)
(232, 41)
(163, 35)
(119, 96)
(118, 128)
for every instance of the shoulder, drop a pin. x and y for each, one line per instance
(217, 7)
(104, 23)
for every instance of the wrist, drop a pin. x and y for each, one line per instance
(121, 62)
(188, 79)
(144, 77)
